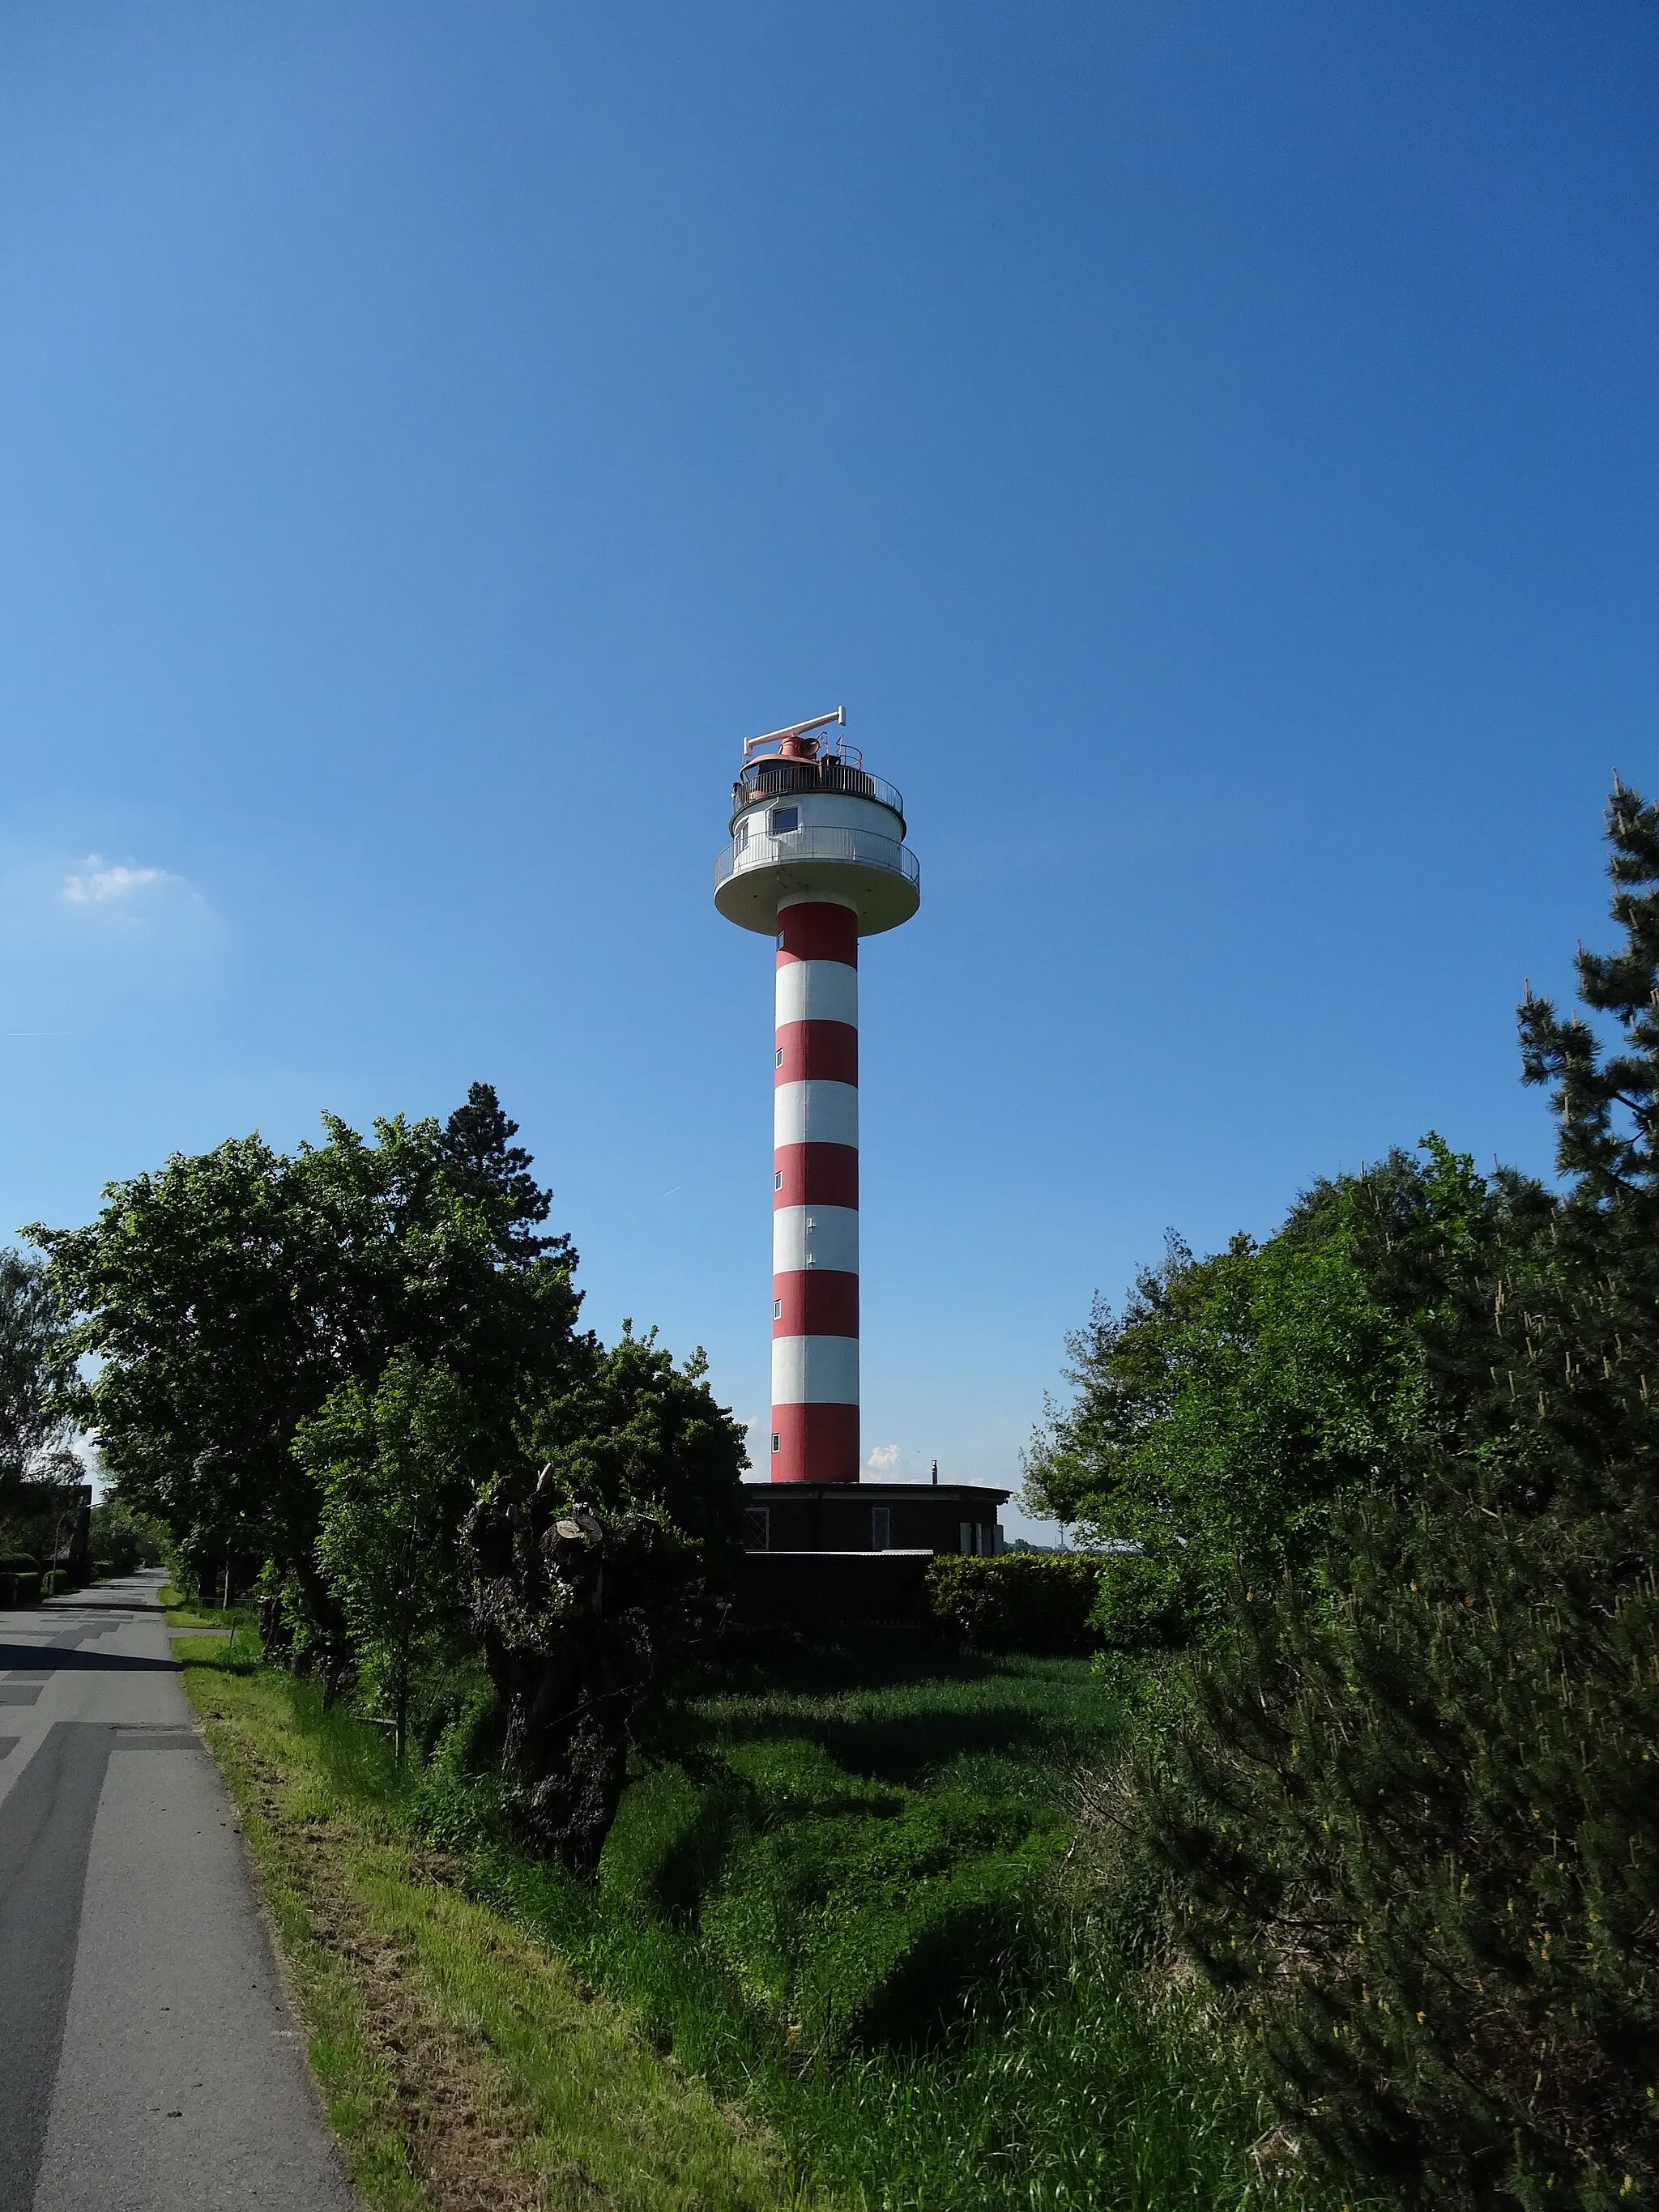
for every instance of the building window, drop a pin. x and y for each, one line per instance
(777, 1441)
(759, 1538)
(780, 1058)
(741, 837)
(784, 819)
(881, 1527)
(777, 1178)
(777, 1308)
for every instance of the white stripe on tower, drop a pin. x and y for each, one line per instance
(815, 1196)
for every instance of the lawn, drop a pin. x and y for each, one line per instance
(837, 1953)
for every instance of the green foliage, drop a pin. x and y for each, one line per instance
(390, 1467)
(1022, 1601)
(1240, 1401)
(127, 1540)
(1414, 1818)
(20, 1581)
(39, 1475)
(37, 1370)
(228, 1295)
(1065, 2080)
(849, 1911)
(593, 1583)
(1416, 1827)
(630, 1431)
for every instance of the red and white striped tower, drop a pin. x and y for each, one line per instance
(817, 858)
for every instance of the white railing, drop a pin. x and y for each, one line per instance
(863, 848)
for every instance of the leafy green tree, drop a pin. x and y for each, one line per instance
(1218, 1417)
(126, 1540)
(595, 1577)
(229, 1294)
(37, 1373)
(39, 1472)
(1414, 1823)
(390, 1465)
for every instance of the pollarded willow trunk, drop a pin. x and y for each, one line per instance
(577, 1612)
(300, 1628)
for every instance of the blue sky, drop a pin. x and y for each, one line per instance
(1211, 449)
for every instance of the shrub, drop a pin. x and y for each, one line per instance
(20, 1581)
(1023, 1602)
(1145, 1601)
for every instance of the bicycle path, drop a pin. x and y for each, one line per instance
(149, 2061)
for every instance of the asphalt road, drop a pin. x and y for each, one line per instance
(148, 2060)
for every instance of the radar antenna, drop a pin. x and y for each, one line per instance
(795, 732)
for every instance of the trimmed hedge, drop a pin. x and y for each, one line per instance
(1022, 1601)
(20, 1581)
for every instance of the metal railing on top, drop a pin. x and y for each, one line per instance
(862, 847)
(773, 779)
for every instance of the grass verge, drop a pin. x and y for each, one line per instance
(462, 2064)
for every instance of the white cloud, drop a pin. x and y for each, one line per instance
(100, 885)
(884, 1457)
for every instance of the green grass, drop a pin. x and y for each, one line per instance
(903, 1707)
(828, 1791)
(460, 2060)
(1068, 2079)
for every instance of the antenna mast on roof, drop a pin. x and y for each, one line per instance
(796, 730)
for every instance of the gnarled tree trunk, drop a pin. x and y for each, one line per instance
(574, 1610)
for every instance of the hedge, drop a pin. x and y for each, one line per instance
(20, 1581)
(1022, 1601)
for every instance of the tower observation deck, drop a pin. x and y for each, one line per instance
(817, 860)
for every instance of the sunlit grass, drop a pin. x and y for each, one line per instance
(448, 2042)
(1093, 2086)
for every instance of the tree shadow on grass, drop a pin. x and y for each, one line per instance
(931, 1703)
(830, 1662)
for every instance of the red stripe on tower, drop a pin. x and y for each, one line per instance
(815, 1261)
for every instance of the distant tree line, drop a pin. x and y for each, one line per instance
(1390, 1480)
(351, 1383)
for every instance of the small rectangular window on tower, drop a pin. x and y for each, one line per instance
(780, 1058)
(777, 1441)
(777, 1178)
(784, 819)
(777, 1308)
